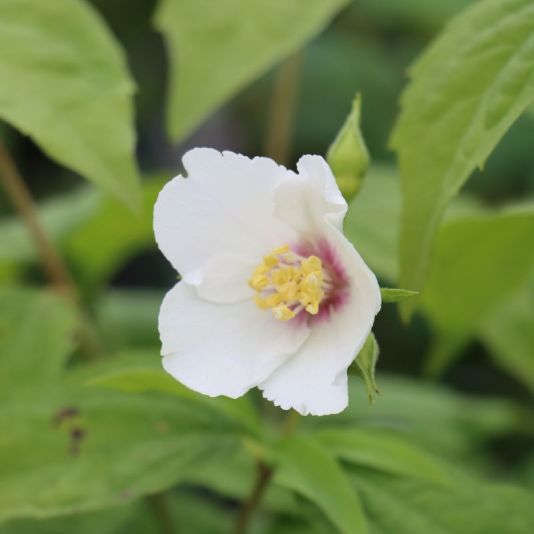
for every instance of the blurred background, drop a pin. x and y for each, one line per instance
(122, 277)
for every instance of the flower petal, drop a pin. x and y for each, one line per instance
(310, 198)
(225, 279)
(313, 381)
(222, 349)
(224, 206)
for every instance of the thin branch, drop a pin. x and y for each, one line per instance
(264, 473)
(55, 269)
(162, 513)
(263, 476)
(22, 200)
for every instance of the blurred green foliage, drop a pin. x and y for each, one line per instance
(115, 445)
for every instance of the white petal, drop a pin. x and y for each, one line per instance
(313, 381)
(224, 206)
(311, 198)
(220, 349)
(225, 279)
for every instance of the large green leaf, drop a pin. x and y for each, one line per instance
(466, 91)
(64, 82)
(216, 48)
(440, 420)
(35, 340)
(509, 335)
(307, 468)
(479, 261)
(142, 371)
(385, 451)
(71, 448)
(97, 448)
(408, 506)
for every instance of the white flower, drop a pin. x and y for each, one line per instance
(272, 293)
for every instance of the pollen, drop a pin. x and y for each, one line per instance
(287, 283)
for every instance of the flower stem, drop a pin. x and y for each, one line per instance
(160, 509)
(55, 269)
(282, 110)
(264, 474)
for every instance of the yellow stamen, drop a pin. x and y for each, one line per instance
(287, 283)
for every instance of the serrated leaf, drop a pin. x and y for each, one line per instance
(364, 366)
(304, 466)
(64, 82)
(215, 49)
(98, 448)
(390, 294)
(72, 448)
(466, 91)
(348, 156)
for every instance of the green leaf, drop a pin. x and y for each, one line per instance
(348, 156)
(95, 447)
(479, 261)
(215, 49)
(509, 335)
(364, 366)
(60, 216)
(440, 420)
(126, 234)
(396, 295)
(385, 451)
(142, 371)
(466, 91)
(99, 448)
(304, 466)
(36, 331)
(129, 318)
(65, 84)
(102, 521)
(372, 222)
(409, 506)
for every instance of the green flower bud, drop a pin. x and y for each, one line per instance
(348, 156)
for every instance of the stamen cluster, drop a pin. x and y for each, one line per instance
(288, 283)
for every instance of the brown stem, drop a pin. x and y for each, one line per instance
(264, 474)
(282, 110)
(20, 196)
(54, 267)
(160, 508)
